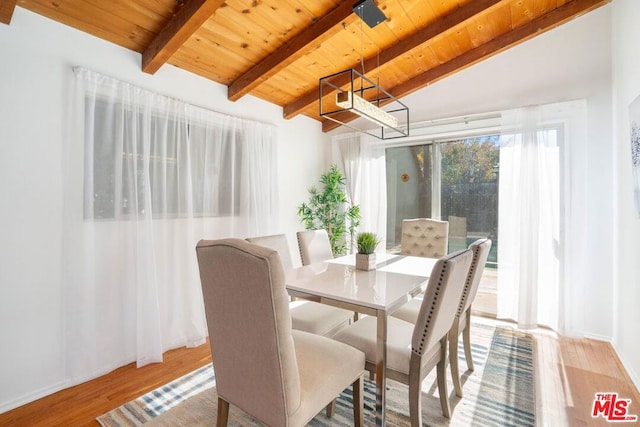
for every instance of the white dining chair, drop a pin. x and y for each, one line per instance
(280, 376)
(314, 246)
(306, 316)
(414, 350)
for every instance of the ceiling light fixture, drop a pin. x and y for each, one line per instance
(366, 109)
(361, 96)
(350, 91)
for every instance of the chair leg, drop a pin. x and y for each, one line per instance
(358, 402)
(442, 379)
(223, 413)
(331, 408)
(415, 399)
(466, 338)
(453, 359)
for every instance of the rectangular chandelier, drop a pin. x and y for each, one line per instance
(350, 94)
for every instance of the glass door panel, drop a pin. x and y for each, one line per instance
(469, 190)
(409, 188)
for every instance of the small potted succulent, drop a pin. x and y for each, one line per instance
(366, 256)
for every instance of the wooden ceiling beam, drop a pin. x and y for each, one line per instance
(189, 18)
(293, 49)
(521, 34)
(6, 11)
(457, 17)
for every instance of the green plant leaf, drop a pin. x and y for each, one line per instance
(328, 208)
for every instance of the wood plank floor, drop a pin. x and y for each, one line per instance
(568, 374)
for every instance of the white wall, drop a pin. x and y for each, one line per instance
(37, 55)
(626, 87)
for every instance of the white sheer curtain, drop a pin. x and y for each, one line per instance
(362, 160)
(146, 177)
(540, 226)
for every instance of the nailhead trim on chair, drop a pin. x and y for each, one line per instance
(472, 272)
(300, 249)
(419, 350)
(467, 283)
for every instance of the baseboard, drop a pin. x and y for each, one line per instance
(30, 397)
(599, 338)
(625, 366)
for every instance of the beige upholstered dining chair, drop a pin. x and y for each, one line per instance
(314, 246)
(277, 242)
(306, 316)
(424, 237)
(462, 322)
(280, 376)
(414, 350)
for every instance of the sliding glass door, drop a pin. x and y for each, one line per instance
(452, 180)
(409, 188)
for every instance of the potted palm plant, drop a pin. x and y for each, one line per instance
(330, 209)
(366, 255)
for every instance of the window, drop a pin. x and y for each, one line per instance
(189, 168)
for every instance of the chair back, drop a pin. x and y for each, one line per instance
(424, 237)
(314, 246)
(441, 300)
(253, 356)
(277, 242)
(480, 249)
(457, 226)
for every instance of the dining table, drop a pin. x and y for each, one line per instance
(378, 292)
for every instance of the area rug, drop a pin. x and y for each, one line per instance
(499, 392)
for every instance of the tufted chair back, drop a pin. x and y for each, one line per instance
(424, 237)
(441, 300)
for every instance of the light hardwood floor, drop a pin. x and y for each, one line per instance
(568, 373)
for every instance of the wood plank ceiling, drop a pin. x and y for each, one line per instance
(277, 50)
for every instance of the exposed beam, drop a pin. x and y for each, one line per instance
(456, 17)
(6, 10)
(537, 26)
(189, 18)
(315, 34)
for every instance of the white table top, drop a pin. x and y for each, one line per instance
(395, 280)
